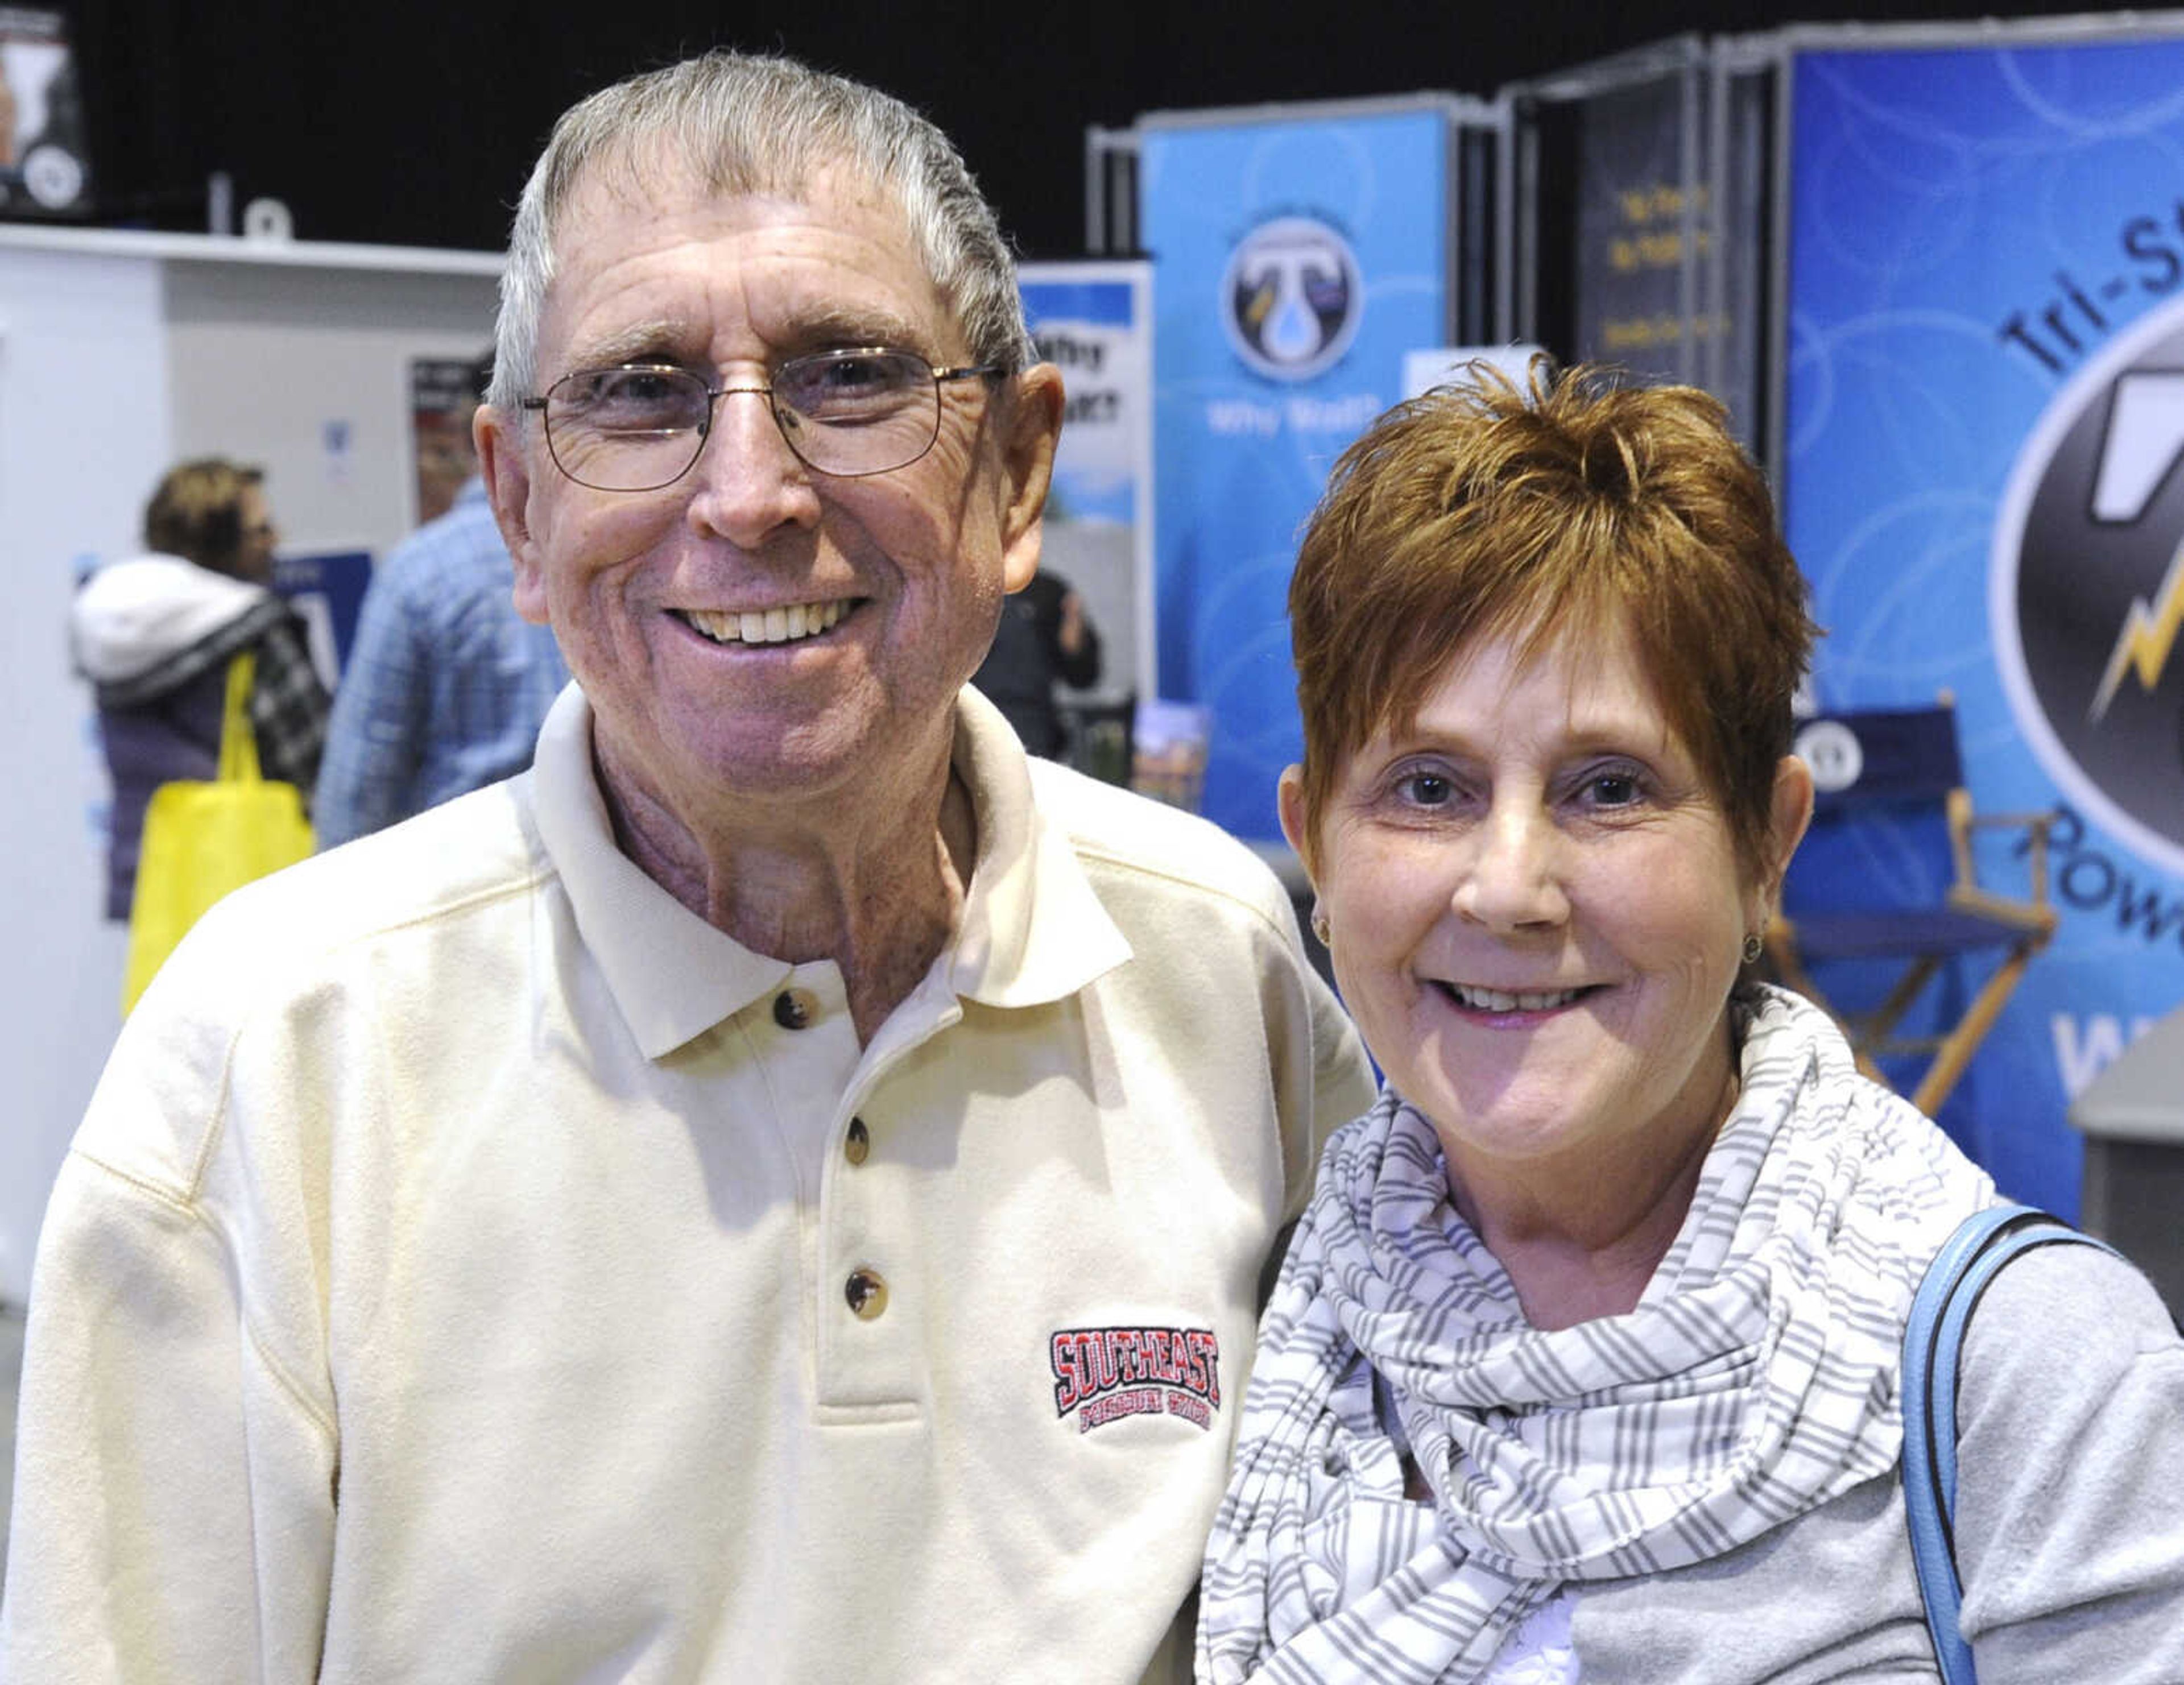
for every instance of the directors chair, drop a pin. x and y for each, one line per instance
(1887, 876)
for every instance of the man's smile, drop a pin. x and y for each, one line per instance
(788, 625)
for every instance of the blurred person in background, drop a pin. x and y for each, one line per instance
(446, 685)
(154, 634)
(1045, 637)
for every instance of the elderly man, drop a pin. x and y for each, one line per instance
(775, 1191)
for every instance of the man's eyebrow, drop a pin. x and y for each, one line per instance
(654, 342)
(829, 329)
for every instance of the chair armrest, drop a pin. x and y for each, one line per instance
(2034, 917)
(1962, 821)
(2039, 822)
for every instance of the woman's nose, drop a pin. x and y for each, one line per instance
(1513, 880)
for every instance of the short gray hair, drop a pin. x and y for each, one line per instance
(740, 122)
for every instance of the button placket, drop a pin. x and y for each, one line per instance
(868, 1350)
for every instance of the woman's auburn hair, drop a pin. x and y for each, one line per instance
(1577, 507)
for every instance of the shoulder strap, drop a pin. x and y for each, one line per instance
(1933, 1340)
(238, 742)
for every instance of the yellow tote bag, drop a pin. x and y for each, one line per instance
(203, 839)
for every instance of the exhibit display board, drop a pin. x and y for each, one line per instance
(1643, 226)
(1984, 420)
(1094, 322)
(1296, 259)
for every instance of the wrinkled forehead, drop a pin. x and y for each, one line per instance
(648, 174)
(880, 291)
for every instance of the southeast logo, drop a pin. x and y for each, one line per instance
(1291, 297)
(2087, 589)
(1103, 1375)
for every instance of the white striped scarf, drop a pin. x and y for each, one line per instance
(1755, 1380)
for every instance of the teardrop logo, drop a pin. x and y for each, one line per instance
(1291, 297)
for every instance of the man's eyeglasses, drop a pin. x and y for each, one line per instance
(643, 425)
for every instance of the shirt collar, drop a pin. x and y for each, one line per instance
(1032, 930)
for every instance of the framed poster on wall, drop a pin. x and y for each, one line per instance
(443, 395)
(45, 167)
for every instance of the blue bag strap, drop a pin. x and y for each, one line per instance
(1933, 1341)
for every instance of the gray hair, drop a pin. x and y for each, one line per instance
(739, 124)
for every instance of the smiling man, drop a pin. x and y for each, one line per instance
(777, 1191)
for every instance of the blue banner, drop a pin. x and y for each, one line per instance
(1093, 321)
(1985, 413)
(1295, 263)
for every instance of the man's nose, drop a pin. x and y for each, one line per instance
(1514, 878)
(750, 484)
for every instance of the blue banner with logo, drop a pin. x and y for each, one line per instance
(1295, 263)
(1985, 417)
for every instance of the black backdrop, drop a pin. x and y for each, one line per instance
(412, 124)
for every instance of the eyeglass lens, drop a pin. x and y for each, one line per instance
(844, 413)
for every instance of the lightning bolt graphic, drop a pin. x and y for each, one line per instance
(2148, 637)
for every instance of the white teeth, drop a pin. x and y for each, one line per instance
(1498, 1000)
(771, 626)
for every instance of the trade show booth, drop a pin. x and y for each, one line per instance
(1934, 273)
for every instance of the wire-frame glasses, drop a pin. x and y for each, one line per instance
(642, 426)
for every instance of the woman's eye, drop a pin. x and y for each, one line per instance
(1425, 789)
(1612, 789)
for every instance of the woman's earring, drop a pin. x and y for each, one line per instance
(1754, 946)
(1319, 927)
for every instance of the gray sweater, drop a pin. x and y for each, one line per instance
(2071, 1523)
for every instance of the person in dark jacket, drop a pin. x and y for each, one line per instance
(154, 634)
(1044, 634)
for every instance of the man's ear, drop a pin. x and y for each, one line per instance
(1033, 423)
(506, 469)
(1289, 797)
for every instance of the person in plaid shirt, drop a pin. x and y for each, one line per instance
(154, 633)
(447, 685)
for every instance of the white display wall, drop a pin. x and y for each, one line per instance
(120, 354)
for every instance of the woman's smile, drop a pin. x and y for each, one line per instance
(1502, 1003)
